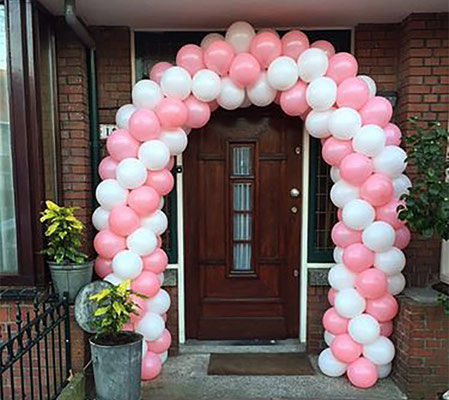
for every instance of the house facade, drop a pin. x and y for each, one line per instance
(60, 91)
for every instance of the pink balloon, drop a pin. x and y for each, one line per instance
(294, 43)
(213, 105)
(218, 57)
(341, 67)
(345, 349)
(144, 125)
(162, 181)
(107, 167)
(343, 236)
(156, 262)
(198, 113)
(393, 135)
(377, 111)
(371, 283)
(265, 46)
(362, 373)
(293, 101)
(108, 244)
(377, 189)
(334, 323)
(386, 328)
(357, 257)
(146, 283)
(158, 70)
(389, 213)
(123, 220)
(160, 345)
(121, 145)
(128, 327)
(340, 214)
(144, 200)
(244, 70)
(326, 46)
(277, 98)
(159, 242)
(139, 309)
(352, 92)
(356, 168)
(334, 150)
(103, 267)
(304, 115)
(164, 317)
(171, 112)
(331, 296)
(190, 57)
(383, 308)
(171, 163)
(151, 366)
(403, 237)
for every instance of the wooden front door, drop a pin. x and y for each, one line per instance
(242, 226)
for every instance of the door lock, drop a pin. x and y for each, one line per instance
(295, 273)
(294, 209)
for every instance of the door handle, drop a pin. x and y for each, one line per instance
(294, 192)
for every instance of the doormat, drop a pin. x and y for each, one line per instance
(260, 364)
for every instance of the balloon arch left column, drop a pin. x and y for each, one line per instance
(339, 107)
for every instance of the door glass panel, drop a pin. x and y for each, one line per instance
(242, 196)
(242, 227)
(242, 160)
(242, 257)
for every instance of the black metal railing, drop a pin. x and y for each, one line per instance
(35, 361)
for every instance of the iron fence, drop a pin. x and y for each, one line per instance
(35, 360)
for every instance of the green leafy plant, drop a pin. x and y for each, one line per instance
(114, 306)
(64, 234)
(427, 203)
(444, 301)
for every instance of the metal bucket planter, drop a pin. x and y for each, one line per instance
(70, 277)
(117, 369)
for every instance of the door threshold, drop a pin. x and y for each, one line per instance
(193, 346)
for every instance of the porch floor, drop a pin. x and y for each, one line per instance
(185, 377)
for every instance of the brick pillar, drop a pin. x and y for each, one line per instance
(317, 304)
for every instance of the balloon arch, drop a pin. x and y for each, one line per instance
(338, 106)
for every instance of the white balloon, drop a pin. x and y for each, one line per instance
(383, 370)
(282, 73)
(390, 262)
(321, 93)
(312, 64)
(261, 94)
(338, 254)
(396, 284)
(335, 174)
(142, 241)
(344, 123)
(163, 356)
(131, 173)
(154, 154)
(390, 161)
(401, 185)
(161, 203)
(100, 219)
(123, 115)
(206, 85)
(340, 277)
(231, 96)
(160, 278)
(379, 236)
(156, 222)
(175, 139)
(342, 193)
(176, 82)
(110, 194)
(210, 38)
(144, 348)
(146, 94)
(349, 303)
(151, 326)
(358, 214)
(328, 338)
(329, 365)
(364, 329)
(239, 36)
(370, 83)
(160, 303)
(379, 352)
(113, 279)
(127, 265)
(369, 140)
(317, 123)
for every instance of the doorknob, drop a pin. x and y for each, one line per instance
(294, 192)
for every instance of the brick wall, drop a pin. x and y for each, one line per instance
(317, 304)
(172, 319)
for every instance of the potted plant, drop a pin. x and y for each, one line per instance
(69, 266)
(116, 354)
